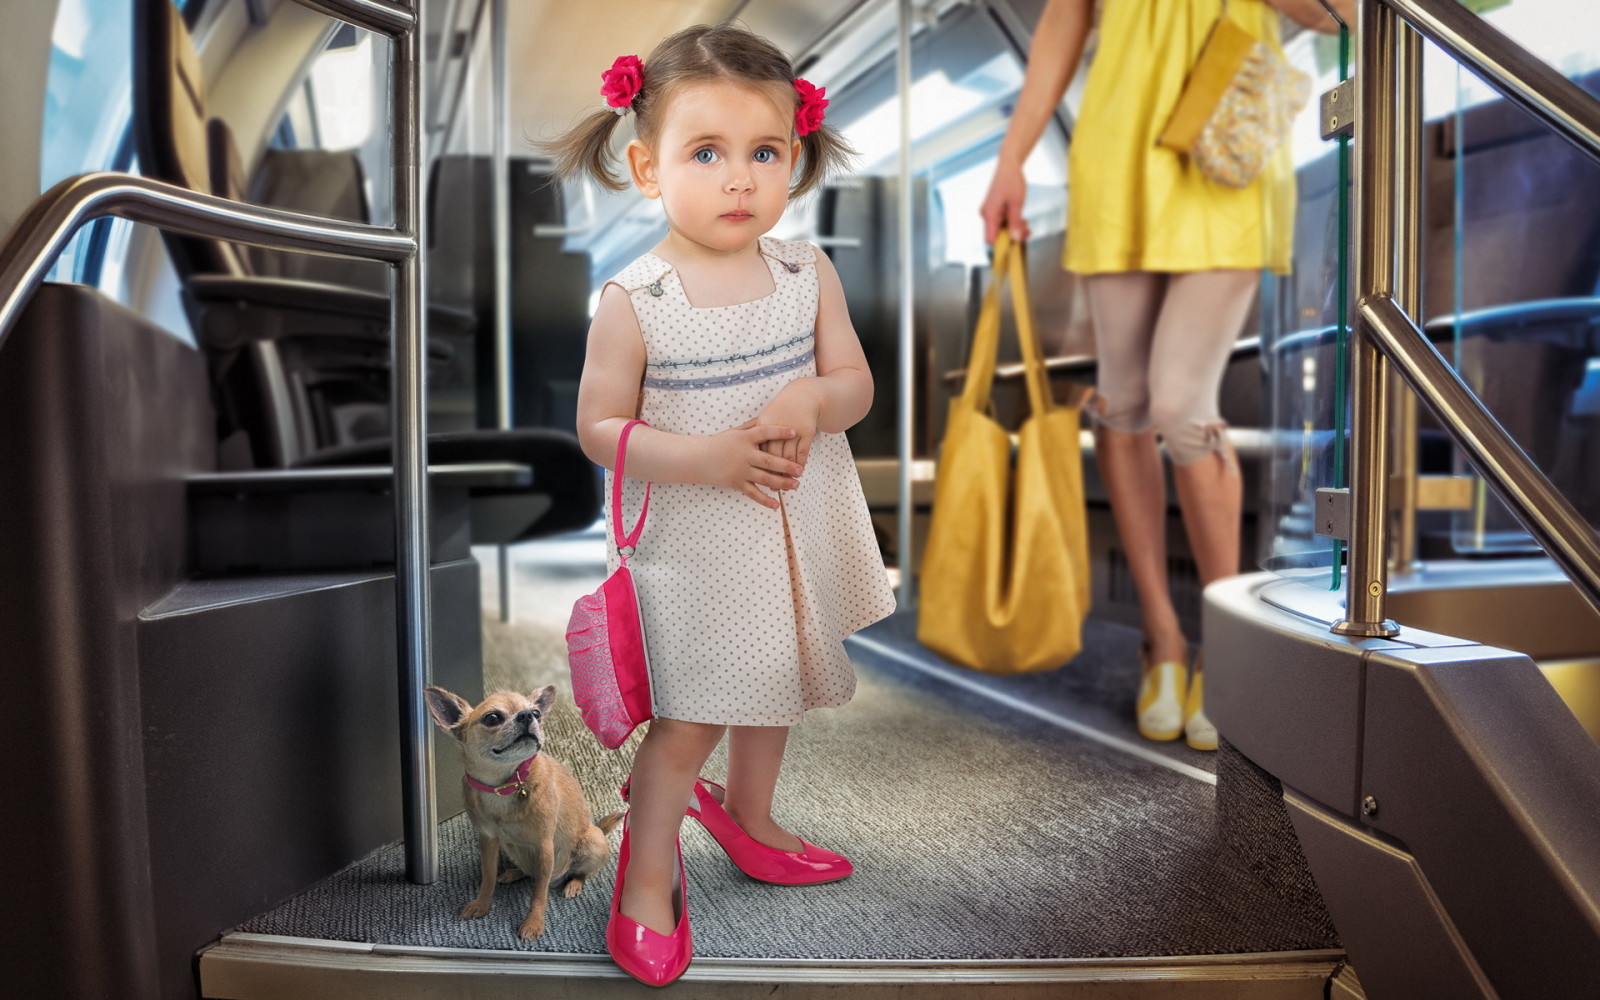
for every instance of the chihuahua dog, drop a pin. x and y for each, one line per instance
(521, 800)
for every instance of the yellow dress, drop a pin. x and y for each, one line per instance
(1133, 206)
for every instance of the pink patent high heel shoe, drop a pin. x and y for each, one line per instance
(653, 959)
(811, 865)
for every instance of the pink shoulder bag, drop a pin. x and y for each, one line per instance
(605, 638)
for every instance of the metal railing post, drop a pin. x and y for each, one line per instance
(1376, 87)
(1407, 286)
(500, 163)
(907, 372)
(413, 605)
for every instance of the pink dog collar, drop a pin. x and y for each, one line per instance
(517, 784)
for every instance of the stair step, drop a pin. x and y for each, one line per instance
(251, 966)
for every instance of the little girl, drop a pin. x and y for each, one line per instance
(758, 555)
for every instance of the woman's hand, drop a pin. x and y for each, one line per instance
(739, 460)
(1002, 206)
(794, 406)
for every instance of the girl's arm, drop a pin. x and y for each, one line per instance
(1311, 14)
(840, 394)
(608, 397)
(1052, 59)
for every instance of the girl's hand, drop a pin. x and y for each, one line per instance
(1002, 206)
(737, 459)
(799, 409)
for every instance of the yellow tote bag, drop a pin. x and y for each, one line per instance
(1005, 577)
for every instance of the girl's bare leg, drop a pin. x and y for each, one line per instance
(755, 755)
(664, 771)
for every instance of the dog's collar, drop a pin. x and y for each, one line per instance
(517, 785)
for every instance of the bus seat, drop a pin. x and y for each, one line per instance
(300, 367)
(549, 297)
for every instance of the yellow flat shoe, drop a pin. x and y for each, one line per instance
(1161, 693)
(1198, 731)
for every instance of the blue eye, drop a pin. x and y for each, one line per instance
(766, 154)
(705, 156)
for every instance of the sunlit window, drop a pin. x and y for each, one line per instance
(341, 89)
(1558, 32)
(961, 194)
(1546, 28)
(87, 99)
(936, 102)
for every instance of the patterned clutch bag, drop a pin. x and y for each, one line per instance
(606, 648)
(1237, 106)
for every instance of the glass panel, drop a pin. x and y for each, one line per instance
(87, 103)
(1511, 275)
(1304, 330)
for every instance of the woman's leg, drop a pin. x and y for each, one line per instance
(664, 771)
(1200, 320)
(755, 754)
(1125, 308)
(1201, 316)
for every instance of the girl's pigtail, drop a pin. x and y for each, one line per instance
(586, 147)
(823, 152)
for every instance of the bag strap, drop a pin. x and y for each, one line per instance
(631, 539)
(1009, 267)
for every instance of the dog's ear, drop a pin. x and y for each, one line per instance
(447, 709)
(545, 698)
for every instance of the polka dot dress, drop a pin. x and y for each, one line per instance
(745, 607)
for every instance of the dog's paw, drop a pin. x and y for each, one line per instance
(531, 928)
(512, 875)
(572, 888)
(474, 909)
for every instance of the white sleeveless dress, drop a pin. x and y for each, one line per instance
(745, 607)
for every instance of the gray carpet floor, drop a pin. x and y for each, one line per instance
(1097, 688)
(976, 835)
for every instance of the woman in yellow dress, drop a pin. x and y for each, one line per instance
(1171, 261)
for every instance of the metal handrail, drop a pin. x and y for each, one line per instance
(39, 236)
(1388, 130)
(386, 17)
(1541, 508)
(1517, 74)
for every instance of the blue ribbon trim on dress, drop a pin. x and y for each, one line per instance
(727, 359)
(721, 381)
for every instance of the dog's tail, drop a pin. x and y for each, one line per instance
(611, 821)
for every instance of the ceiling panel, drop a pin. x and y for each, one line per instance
(560, 48)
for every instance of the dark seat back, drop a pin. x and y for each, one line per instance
(170, 127)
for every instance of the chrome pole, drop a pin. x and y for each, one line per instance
(436, 84)
(387, 17)
(500, 164)
(907, 513)
(410, 422)
(1408, 288)
(1377, 81)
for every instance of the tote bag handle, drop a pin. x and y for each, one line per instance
(1009, 265)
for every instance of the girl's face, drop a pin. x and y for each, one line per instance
(721, 163)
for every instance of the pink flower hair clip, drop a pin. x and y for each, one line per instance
(808, 116)
(620, 84)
